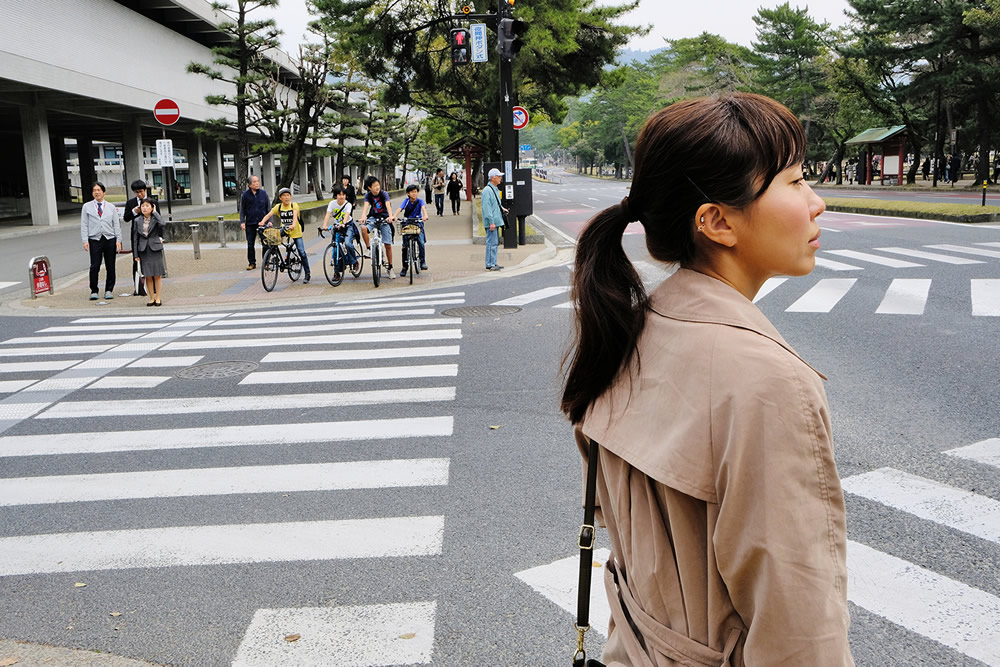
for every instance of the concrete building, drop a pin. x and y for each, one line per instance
(78, 82)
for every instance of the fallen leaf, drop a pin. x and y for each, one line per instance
(79, 584)
(116, 613)
(596, 564)
(408, 635)
(293, 638)
(69, 627)
(494, 428)
(538, 325)
(5, 662)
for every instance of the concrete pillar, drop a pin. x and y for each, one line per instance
(303, 176)
(267, 179)
(60, 171)
(215, 185)
(331, 178)
(254, 169)
(132, 152)
(196, 169)
(85, 156)
(38, 163)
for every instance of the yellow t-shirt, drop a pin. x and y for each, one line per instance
(285, 215)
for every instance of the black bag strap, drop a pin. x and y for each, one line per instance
(588, 535)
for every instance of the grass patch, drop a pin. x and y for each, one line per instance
(927, 210)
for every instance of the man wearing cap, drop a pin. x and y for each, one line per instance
(493, 220)
(254, 205)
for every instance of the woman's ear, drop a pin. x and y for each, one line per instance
(713, 222)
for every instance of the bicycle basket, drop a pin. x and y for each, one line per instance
(410, 229)
(272, 236)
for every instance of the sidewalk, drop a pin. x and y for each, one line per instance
(220, 276)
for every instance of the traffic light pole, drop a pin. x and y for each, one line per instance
(508, 138)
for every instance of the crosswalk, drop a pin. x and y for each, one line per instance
(389, 368)
(944, 609)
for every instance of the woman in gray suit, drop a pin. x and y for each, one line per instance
(147, 249)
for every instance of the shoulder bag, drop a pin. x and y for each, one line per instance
(588, 535)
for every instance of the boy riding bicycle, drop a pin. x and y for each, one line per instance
(288, 214)
(414, 207)
(378, 203)
(340, 210)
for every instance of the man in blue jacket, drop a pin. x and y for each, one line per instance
(254, 205)
(492, 218)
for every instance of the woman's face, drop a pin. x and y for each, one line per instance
(778, 233)
(146, 208)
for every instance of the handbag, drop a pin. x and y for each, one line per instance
(585, 541)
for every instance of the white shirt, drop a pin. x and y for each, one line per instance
(340, 214)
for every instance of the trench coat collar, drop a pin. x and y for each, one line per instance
(691, 296)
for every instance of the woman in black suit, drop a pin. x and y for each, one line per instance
(147, 249)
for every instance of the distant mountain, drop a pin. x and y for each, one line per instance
(627, 56)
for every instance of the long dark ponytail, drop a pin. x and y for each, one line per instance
(724, 149)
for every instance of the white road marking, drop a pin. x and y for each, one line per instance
(823, 296)
(82, 338)
(215, 545)
(360, 306)
(208, 404)
(360, 355)
(8, 386)
(48, 351)
(556, 229)
(369, 338)
(401, 300)
(932, 256)
(129, 382)
(531, 297)
(905, 297)
(947, 611)
(981, 252)
(104, 327)
(223, 436)
(874, 259)
(836, 266)
(986, 452)
(831, 229)
(285, 319)
(986, 298)
(60, 384)
(351, 374)
(653, 273)
(560, 581)
(223, 481)
(36, 366)
(991, 243)
(285, 330)
(360, 636)
(165, 362)
(165, 319)
(567, 304)
(5, 285)
(956, 508)
(769, 286)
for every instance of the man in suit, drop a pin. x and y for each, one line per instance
(129, 214)
(101, 233)
(254, 205)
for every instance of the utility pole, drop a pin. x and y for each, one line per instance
(508, 138)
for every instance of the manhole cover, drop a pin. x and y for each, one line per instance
(217, 369)
(480, 311)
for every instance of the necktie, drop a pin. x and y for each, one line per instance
(100, 210)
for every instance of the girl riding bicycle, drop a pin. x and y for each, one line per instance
(288, 213)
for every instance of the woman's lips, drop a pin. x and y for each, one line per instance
(814, 242)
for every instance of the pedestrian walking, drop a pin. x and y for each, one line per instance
(147, 249)
(349, 192)
(254, 205)
(101, 233)
(439, 184)
(925, 168)
(454, 190)
(428, 192)
(956, 168)
(493, 218)
(947, 168)
(716, 476)
(996, 167)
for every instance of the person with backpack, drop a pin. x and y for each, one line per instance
(414, 207)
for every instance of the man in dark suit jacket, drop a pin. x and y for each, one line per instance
(132, 205)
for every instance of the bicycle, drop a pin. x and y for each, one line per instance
(335, 254)
(272, 239)
(378, 257)
(410, 229)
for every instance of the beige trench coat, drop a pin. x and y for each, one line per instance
(718, 487)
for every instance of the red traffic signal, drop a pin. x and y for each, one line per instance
(459, 46)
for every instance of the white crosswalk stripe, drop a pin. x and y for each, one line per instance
(932, 256)
(398, 339)
(905, 296)
(769, 286)
(823, 296)
(874, 259)
(531, 297)
(981, 252)
(986, 298)
(825, 263)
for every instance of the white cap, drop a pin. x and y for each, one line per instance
(495, 172)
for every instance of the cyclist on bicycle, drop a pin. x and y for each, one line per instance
(340, 210)
(377, 202)
(414, 207)
(288, 214)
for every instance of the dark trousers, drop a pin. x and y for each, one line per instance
(439, 203)
(251, 238)
(103, 249)
(456, 205)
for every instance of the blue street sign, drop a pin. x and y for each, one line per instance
(525, 147)
(479, 53)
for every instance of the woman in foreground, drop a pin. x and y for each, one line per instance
(717, 480)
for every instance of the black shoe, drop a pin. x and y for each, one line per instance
(402, 274)
(423, 266)
(306, 281)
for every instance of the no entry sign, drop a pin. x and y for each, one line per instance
(520, 118)
(166, 112)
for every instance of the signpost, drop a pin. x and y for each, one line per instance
(479, 51)
(40, 276)
(166, 112)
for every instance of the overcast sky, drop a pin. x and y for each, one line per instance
(670, 19)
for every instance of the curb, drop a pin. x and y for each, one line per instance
(921, 215)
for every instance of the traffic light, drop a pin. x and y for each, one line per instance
(459, 46)
(509, 37)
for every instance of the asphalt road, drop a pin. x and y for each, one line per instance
(437, 560)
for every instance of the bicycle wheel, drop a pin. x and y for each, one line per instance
(360, 255)
(411, 260)
(294, 264)
(376, 263)
(330, 262)
(269, 267)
